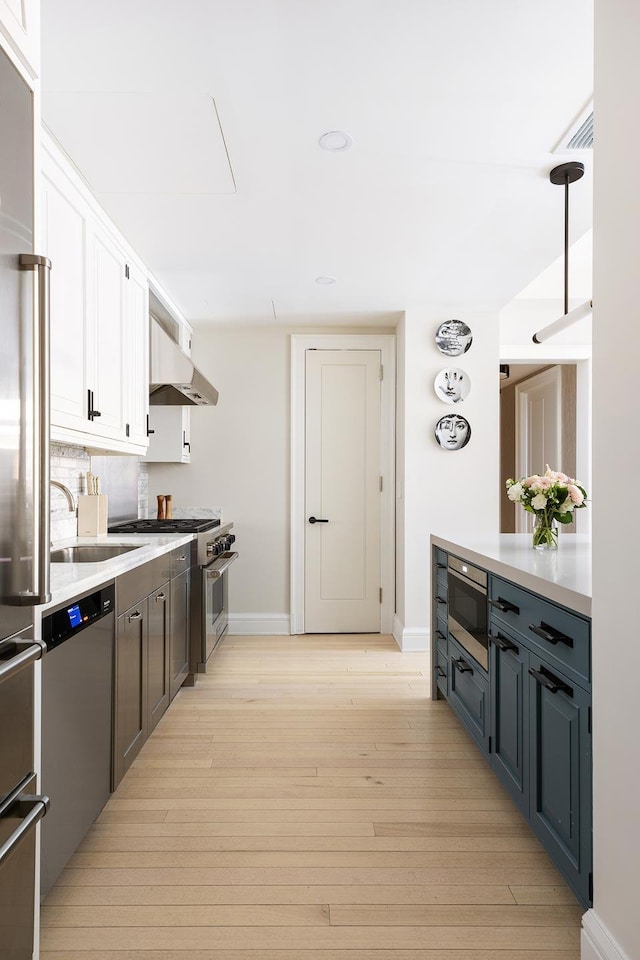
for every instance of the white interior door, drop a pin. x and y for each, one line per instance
(539, 430)
(342, 487)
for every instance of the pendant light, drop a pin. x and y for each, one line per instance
(563, 175)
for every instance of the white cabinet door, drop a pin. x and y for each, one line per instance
(170, 441)
(105, 312)
(64, 235)
(20, 30)
(136, 355)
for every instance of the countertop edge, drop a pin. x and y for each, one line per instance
(558, 593)
(80, 577)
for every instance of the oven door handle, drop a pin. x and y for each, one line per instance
(215, 570)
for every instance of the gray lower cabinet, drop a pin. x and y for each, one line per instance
(509, 681)
(469, 693)
(158, 655)
(180, 631)
(530, 714)
(560, 791)
(130, 713)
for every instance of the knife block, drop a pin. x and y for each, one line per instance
(92, 515)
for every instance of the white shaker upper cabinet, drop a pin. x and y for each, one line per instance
(20, 32)
(65, 216)
(99, 318)
(170, 441)
(136, 355)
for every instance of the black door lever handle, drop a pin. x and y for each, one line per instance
(317, 520)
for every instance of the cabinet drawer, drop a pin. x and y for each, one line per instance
(562, 637)
(469, 694)
(441, 665)
(181, 559)
(133, 586)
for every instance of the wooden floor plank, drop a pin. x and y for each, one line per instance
(307, 801)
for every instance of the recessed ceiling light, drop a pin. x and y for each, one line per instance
(335, 140)
(325, 281)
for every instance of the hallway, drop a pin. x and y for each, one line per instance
(305, 801)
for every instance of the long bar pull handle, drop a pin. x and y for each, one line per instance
(440, 671)
(550, 635)
(503, 643)
(550, 682)
(30, 809)
(41, 405)
(504, 606)
(440, 600)
(160, 598)
(462, 666)
(134, 616)
(317, 520)
(22, 659)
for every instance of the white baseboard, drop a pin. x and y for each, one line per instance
(596, 942)
(259, 624)
(410, 640)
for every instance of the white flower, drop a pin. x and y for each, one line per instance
(539, 502)
(515, 492)
(567, 506)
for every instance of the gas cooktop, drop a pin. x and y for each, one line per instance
(164, 526)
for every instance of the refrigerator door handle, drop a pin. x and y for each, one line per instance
(29, 808)
(40, 592)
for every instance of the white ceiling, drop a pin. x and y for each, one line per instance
(197, 126)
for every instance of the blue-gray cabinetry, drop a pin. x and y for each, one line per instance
(530, 713)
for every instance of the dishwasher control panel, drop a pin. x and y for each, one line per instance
(76, 615)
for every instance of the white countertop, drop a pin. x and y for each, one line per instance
(71, 579)
(562, 575)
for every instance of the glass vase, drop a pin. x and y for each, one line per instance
(545, 533)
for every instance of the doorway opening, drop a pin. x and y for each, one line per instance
(545, 418)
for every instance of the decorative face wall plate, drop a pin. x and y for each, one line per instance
(453, 337)
(452, 385)
(453, 432)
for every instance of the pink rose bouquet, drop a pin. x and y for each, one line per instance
(552, 496)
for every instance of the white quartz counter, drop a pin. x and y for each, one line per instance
(71, 579)
(562, 575)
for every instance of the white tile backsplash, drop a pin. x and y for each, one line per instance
(69, 465)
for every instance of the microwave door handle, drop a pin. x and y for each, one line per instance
(216, 570)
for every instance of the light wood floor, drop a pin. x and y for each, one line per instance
(306, 801)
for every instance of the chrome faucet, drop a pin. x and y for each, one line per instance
(67, 493)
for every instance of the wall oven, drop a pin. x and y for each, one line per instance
(467, 596)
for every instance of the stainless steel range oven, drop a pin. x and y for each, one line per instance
(211, 557)
(467, 597)
(215, 595)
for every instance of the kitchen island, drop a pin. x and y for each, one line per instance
(511, 653)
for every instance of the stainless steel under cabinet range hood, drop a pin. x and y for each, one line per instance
(173, 378)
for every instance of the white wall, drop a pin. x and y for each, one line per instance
(453, 493)
(241, 460)
(616, 518)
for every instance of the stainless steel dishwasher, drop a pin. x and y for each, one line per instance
(77, 694)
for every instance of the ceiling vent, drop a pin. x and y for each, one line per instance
(579, 136)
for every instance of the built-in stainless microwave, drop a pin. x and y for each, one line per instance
(467, 597)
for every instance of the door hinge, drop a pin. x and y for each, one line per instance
(380, 484)
(381, 372)
(380, 595)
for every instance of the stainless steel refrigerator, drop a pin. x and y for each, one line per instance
(24, 508)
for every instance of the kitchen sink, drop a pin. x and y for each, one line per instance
(91, 552)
